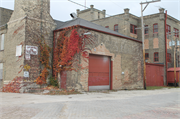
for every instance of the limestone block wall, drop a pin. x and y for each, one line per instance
(125, 54)
(91, 13)
(29, 22)
(12, 64)
(5, 15)
(155, 41)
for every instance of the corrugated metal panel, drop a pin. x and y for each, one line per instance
(154, 75)
(170, 76)
(172, 69)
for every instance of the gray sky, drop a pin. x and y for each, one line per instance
(60, 9)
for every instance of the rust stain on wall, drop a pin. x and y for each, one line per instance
(18, 29)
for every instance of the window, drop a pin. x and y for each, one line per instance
(116, 27)
(2, 42)
(146, 30)
(106, 26)
(98, 15)
(169, 57)
(1, 71)
(146, 55)
(156, 57)
(176, 32)
(168, 28)
(155, 28)
(133, 29)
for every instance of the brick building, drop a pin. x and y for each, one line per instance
(126, 23)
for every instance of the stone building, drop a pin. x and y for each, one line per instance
(114, 60)
(5, 16)
(126, 23)
(30, 21)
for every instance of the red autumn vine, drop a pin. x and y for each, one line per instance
(66, 48)
(44, 59)
(14, 86)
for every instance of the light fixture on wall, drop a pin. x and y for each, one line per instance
(88, 33)
(73, 15)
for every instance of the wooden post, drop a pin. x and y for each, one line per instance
(175, 65)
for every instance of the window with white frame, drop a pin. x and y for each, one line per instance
(1, 71)
(2, 42)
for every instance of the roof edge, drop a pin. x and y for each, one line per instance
(101, 32)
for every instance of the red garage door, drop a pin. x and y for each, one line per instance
(99, 73)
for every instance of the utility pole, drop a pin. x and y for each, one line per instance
(175, 65)
(142, 28)
(166, 46)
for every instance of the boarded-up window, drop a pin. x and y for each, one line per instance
(146, 44)
(2, 42)
(1, 70)
(155, 43)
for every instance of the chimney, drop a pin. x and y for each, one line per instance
(29, 4)
(161, 10)
(126, 11)
(92, 6)
(104, 13)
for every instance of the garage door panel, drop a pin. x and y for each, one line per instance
(98, 71)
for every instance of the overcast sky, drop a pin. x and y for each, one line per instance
(60, 9)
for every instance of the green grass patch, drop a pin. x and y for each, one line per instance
(160, 87)
(64, 92)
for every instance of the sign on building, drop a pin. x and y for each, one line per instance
(31, 50)
(18, 50)
(26, 74)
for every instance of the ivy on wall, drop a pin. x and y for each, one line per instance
(68, 43)
(44, 60)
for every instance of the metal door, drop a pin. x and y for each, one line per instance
(99, 72)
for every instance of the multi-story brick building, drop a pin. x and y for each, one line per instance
(126, 23)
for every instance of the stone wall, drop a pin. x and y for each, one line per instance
(29, 22)
(91, 13)
(123, 20)
(5, 15)
(125, 54)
